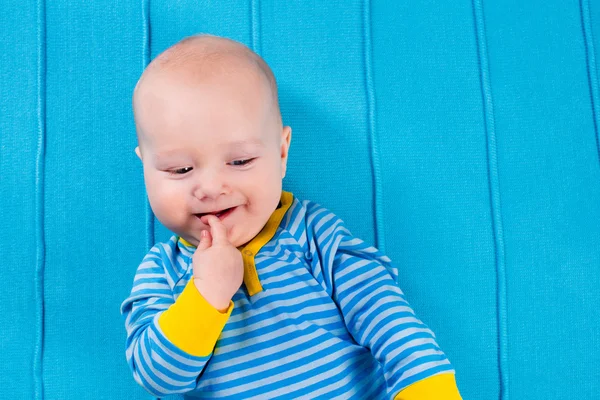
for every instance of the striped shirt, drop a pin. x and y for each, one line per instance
(322, 318)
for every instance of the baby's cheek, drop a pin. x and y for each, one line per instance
(165, 197)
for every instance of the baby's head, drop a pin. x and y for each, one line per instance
(210, 137)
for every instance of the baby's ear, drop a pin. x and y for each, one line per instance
(286, 137)
(137, 151)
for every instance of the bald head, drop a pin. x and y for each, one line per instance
(204, 58)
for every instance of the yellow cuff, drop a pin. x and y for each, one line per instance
(193, 324)
(437, 387)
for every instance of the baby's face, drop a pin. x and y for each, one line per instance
(208, 147)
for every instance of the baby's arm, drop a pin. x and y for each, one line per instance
(379, 318)
(164, 350)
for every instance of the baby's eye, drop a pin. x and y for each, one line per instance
(241, 163)
(180, 171)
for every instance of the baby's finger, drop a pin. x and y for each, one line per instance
(218, 230)
(205, 240)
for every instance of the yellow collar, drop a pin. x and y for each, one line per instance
(250, 249)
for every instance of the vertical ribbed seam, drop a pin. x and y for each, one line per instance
(372, 132)
(146, 60)
(590, 53)
(38, 353)
(255, 25)
(496, 209)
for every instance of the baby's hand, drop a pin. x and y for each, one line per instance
(217, 265)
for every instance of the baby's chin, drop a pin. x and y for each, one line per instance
(239, 240)
(235, 240)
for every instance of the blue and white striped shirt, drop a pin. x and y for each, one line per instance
(330, 321)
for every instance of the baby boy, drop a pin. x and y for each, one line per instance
(258, 294)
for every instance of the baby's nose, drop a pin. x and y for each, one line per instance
(209, 186)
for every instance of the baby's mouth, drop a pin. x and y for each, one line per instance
(219, 214)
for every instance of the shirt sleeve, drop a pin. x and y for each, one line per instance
(375, 311)
(168, 342)
(437, 387)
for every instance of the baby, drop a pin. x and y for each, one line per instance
(258, 294)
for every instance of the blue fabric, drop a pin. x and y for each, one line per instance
(459, 137)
